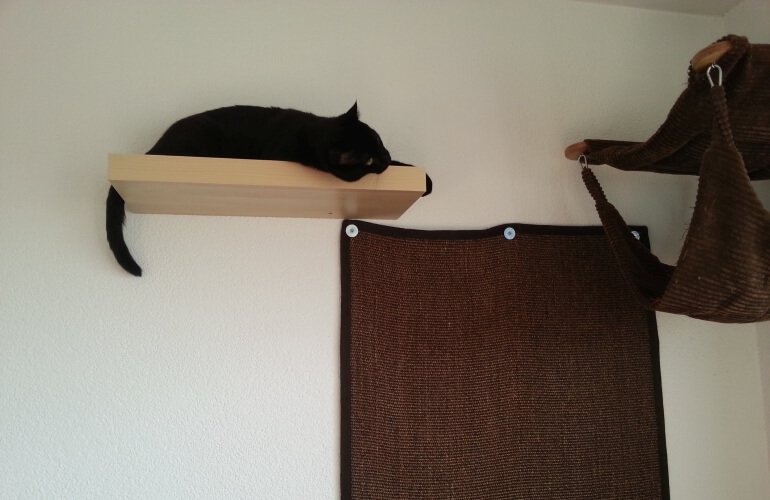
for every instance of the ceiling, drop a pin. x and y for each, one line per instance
(709, 7)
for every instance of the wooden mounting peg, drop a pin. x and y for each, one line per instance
(709, 55)
(574, 151)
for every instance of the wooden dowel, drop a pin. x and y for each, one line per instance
(709, 55)
(574, 151)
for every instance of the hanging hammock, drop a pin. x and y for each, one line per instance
(723, 270)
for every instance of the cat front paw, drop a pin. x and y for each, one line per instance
(428, 185)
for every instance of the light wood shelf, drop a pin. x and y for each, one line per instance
(154, 184)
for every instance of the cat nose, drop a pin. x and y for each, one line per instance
(382, 162)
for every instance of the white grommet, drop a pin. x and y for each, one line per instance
(351, 230)
(636, 235)
(509, 233)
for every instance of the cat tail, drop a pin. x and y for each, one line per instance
(116, 215)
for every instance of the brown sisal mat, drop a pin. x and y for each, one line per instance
(476, 366)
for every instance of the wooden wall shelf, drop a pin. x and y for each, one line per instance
(153, 184)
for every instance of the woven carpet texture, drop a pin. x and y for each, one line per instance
(477, 366)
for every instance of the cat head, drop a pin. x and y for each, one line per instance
(354, 149)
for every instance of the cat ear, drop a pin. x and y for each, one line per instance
(352, 113)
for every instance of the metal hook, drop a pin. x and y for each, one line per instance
(719, 72)
(583, 161)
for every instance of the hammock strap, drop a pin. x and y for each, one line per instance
(721, 117)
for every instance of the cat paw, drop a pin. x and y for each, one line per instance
(428, 185)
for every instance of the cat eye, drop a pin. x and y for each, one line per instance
(369, 162)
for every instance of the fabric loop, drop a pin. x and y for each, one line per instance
(592, 183)
(721, 118)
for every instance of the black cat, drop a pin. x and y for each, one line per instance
(343, 146)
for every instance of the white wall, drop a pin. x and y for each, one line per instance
(751, 19)
(216, 374)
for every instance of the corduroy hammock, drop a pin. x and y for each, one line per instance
(719, 128)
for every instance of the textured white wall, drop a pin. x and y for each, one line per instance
(750, 18)
(216, 374)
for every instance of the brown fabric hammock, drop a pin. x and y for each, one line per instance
(509, 362)
(723, 270)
